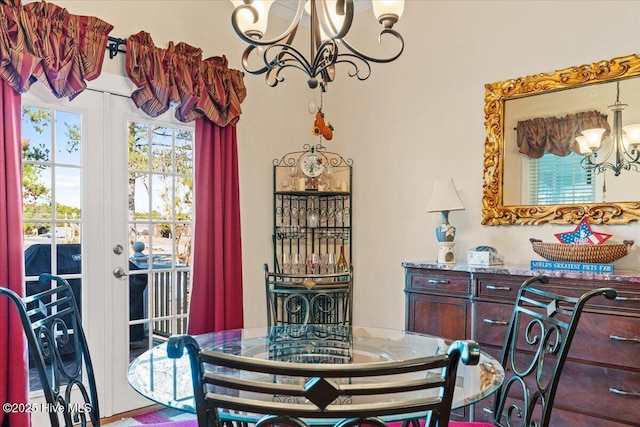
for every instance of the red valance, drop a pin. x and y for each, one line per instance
(556, 135)
(42, 41)
(179, 76)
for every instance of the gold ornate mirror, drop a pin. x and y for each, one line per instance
(541, 93)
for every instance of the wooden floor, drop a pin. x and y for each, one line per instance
(141, 411)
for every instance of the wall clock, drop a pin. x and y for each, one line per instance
(311, 165)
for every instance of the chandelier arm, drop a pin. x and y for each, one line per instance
(284, 55)
(598, 168)
(327, 24)
(259, 42)
(325, 57)
(352, 60)
(390, 31)
(632, 155)
(245, 62)
(273, 75)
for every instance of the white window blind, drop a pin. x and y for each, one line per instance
(554, 179)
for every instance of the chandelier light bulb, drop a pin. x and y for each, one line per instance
(583, 148)
(633, 133)
(388, 12)
(250, 24)
(593, 137)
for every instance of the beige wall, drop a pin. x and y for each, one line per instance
(415, 120)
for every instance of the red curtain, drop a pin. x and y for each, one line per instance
(13, 347)
(38, 42)
(179, 76)
(210, 93)
(216, 296)
(42, 41)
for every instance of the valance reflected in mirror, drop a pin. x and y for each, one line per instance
(538, 165)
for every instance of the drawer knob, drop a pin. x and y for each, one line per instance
(498, 288)
(623, 392)
(495, 322)
(617, 338)
(438, 282)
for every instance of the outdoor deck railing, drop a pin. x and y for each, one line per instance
(162, 306)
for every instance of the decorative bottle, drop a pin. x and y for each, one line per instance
(342, 266)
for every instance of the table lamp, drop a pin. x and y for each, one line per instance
(444, 199)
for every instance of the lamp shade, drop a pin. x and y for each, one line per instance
(249, 23)
(387, 7)
(444, 197)
(593, 137)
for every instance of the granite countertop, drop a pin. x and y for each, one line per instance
(524, 270)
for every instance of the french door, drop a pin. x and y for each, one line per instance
(115, 186)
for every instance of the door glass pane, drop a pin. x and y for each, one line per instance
(160, 223)
(52, 204)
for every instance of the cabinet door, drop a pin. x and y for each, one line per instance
(441, 316)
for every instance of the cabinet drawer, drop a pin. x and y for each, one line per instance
(491, 321)
(598, 391)
(439, 282)
(505, 288)
(607, 339)
(599, 338)
(499, 287)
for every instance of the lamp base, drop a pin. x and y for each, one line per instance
(446, 253)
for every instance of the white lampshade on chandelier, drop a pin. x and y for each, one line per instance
(622, 148)
(330, 22)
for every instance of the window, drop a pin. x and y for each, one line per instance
(554, 179)
(52, 209)
(160, 166)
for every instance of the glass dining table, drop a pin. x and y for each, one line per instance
(168, 381)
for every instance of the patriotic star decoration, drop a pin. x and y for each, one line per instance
(582, 235)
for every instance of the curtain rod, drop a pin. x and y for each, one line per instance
(116, 46)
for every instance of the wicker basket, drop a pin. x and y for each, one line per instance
(600, 254)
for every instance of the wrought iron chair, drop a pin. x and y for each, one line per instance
(51, 320)
(538, 339)
(301, 300)
(286, 393)
(60, 354)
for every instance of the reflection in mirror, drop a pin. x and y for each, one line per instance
(518, 187)
(504, 201)
(560, 178)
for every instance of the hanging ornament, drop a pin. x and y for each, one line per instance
(320, 128)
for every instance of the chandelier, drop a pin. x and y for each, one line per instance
(330, 22)
(622, 144)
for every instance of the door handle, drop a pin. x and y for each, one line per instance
(119, 272)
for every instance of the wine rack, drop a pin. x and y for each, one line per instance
(312, 211)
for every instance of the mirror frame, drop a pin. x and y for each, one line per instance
(494, 212)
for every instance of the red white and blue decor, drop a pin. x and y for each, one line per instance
(582, 235)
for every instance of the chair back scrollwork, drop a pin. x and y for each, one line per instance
(542, 326)
(51, 320)
(321, 299)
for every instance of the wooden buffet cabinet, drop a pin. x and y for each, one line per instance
(600, 385)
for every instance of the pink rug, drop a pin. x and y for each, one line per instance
(161, 418)
(168, 417)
